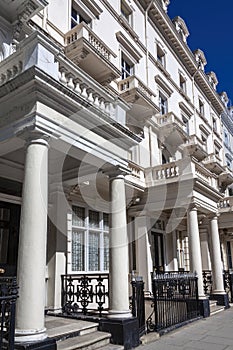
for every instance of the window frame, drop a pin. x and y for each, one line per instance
(83, 15)
(127, 67)
(126, 12)
(88, 230)
(163, 103)
(160, 55)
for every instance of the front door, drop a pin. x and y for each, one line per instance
(158, 251)
(9, 237)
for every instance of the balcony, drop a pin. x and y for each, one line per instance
(213, 163)
(196, 148)
(225, 205)
(137, 174)
(225, 179)
(171, 129)
(91, 54)
(143, 100)
(20, 10)
(65, 81)
(181, 170)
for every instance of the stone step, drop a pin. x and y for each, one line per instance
(63, 328)
(88, 341)
(112, 347)
(215, 309)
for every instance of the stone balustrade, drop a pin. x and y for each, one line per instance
(136, 171)
(212, 158)
(34, 51)
(169, 118)
(87, 89)
(133, 82)
(226, 204)
(83, 31)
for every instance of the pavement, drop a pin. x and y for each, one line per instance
(212, 333)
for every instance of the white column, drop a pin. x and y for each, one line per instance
(171, 259)
(32, 244)
(195, 249)
(205, 253)
(144, 258)
(119, 264)
(216, 257)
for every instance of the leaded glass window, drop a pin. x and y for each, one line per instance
(89, 247)
(93, 251)
(78, 218)
(77, 250)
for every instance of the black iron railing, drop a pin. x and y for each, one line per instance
(175, 300)
(207, 281)
(138, 304)
(228, 284)
(8, 296)
(227, 281)
(85, 294)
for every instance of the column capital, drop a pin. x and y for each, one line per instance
(214, 216)
(116, 172)
(193, 206)
(33, 137)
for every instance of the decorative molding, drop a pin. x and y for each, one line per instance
(130, 48)
(166, 88)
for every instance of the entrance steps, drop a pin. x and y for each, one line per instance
(214, 308)
(72, 334)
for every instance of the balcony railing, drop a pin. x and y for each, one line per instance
(196, 147)
(132, 82)
(168, 119)
(225, 204)
(174, 171)
(142, 99)
(70, 75)
(137, 172)
(83, 31)
(214, 163)
(88, 51)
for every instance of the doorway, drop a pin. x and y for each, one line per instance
(158, 256)
(9, 237)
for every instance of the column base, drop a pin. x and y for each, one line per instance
(204, 307)
(29, 335)
(221, 298)
(47, 344)
(124, 331)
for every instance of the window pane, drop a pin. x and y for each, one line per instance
(93, 254)
(106, 221)
(77, 251)
(78, 218)
(94, 219)
(106, 251)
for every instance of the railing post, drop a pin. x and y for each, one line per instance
(138, 302)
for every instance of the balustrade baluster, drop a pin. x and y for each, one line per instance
(63, 79)
(90, 95)
(70, 83)
(84, 90)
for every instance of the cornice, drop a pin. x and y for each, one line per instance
(163, 23)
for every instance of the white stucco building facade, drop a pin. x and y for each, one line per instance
(112, 151)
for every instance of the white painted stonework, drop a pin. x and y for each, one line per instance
(97, 86)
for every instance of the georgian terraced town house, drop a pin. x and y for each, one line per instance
(111, 136)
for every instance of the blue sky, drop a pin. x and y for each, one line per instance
(210, 24)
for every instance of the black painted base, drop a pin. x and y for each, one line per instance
(222, 299)
(124, 331)
(204, 307)
(47, 344)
